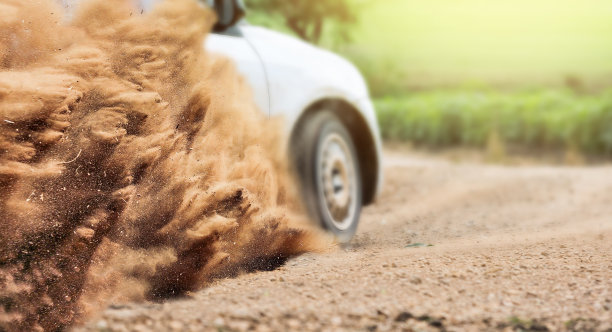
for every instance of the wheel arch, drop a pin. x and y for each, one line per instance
(361, 134)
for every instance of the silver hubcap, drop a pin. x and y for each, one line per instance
(337, 174)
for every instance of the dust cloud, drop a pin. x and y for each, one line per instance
(133, 165)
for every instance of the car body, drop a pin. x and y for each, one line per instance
(291, 77)
(305, 85)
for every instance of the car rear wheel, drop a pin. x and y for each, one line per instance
(329, 171)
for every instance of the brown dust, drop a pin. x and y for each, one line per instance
(133, 164)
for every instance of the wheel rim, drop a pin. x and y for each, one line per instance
(338, 178)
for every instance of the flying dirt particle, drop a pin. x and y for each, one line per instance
(133, 165)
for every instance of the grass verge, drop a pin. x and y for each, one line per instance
(538, 119)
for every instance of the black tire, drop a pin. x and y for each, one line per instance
(331, 185)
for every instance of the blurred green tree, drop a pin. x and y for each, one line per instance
(309, 19)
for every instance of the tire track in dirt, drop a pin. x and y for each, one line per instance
(514, 248)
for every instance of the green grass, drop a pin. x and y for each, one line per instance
(487, 73)
(402, 44)
(482, 73)
(542, 119)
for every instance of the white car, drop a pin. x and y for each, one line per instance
(335, 141)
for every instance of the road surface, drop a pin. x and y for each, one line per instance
(448, 246)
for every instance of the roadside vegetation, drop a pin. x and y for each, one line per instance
(557, 119)
(519, 76)
(526, 76)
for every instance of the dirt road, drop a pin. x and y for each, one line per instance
(525, 247)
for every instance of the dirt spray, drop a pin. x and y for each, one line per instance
(133, 164)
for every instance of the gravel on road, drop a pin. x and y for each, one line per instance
(447, 246)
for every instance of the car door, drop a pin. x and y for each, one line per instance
(233, 45)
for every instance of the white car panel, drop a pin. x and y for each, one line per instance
(248, 63)
(300, 74)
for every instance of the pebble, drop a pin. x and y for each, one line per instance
(416, 280)
(240, 325)
(141, 328)
(219, 322)
(403, 316)
(176, 325)
(293, 323)
(102, 325)
(336, 321)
